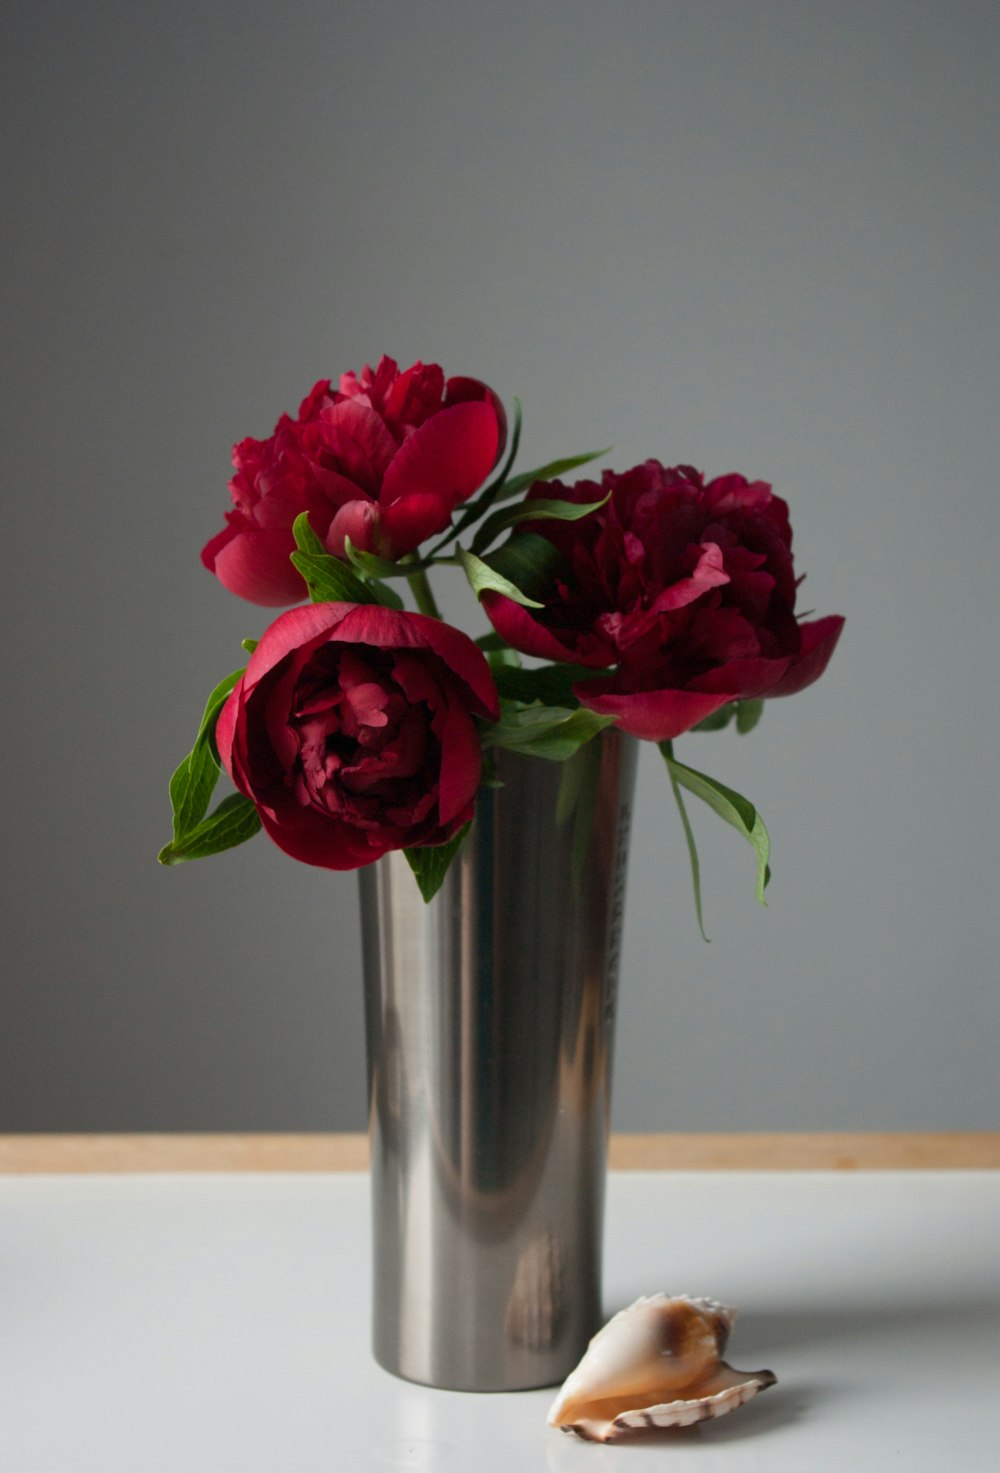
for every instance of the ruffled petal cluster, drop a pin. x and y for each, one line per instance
(684, 588)
(383, 459)
(353, 731)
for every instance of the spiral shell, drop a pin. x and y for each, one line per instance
(657, 1363)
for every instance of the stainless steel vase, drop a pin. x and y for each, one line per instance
(489, 1020)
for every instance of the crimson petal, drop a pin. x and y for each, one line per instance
(320, 840)
(360, 521)
(514, 623)
(461, 766)
(654, 715)
(449, 456)
(411, 519)
(819, 639)
(254, 564)
(388, 629)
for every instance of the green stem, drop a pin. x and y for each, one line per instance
(667, 748)
(423, 593)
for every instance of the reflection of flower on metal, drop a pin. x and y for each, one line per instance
(657, 1363)
(536, 1310)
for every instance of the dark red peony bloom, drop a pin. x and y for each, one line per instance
(687, 589)
(384, 460)
(352, 731)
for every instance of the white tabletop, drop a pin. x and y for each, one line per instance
(180, 1323)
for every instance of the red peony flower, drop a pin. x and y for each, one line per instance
(687, 589)
(352, 731)
(384, 460)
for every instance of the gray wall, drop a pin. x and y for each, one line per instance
(756, 236)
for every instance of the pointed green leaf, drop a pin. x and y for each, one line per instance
(667, 750)
(482, 577)
(529, 561)
(215, 703)
(250, 645)
(386, 596)
(492, 641)
(306, 539)
(383, 567)
(430, 863)
(731, 806)
(551, 684)
(233, 822)
(553, 732)
(331, 581)
(550, 472)
(718, 719)
(748, 713)
(503, 660)
(193, 783)
(541, 509)
(191, 788)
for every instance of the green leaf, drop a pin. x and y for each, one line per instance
(191, 788)
(667, 749)
(430, 863)
(492, 641)
(532, 511)
(193, 783)
(383, 567)
(718, 719)
(748, 713)
(729, 805)
(553, 732)
(306, 539)
(233, 822)
(215, 703)
(502, 660)
(482, 577)
(331, 581)
(386, 596)
(551, 684)
(529, 561)
(250, 645)
(550, 472)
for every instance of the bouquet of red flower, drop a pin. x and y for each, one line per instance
(652, 599)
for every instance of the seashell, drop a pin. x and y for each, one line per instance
(657, 1363)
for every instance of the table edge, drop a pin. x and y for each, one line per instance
(322, 1151)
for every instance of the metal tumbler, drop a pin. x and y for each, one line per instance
(489, 1016)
